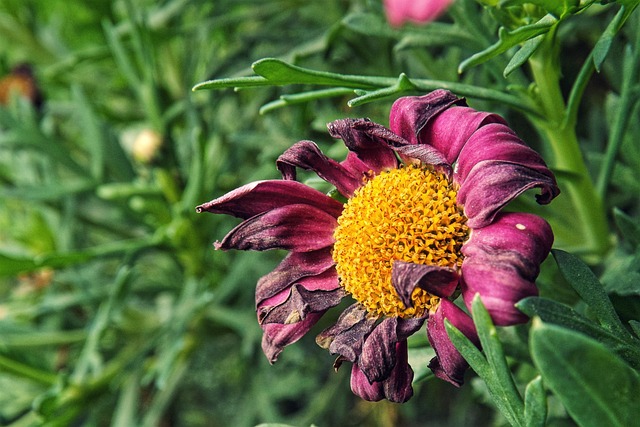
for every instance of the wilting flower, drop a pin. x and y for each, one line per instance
(420, 11)
(21, 82)
(413, 234)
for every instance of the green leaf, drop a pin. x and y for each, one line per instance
(629, 228)
(596, 387)
(559, 8)
(601, 49)
(535, 404)
(509, 39)
(525, 52)
(586, 284)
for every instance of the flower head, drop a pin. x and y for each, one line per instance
(418, 11)
(423, 223)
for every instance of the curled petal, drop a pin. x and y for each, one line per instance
(502, 262)
(396, 388)
(450, 130)
(298, 304)
(522, 240)
(410, 114)
(293, 268)
(276, 336)
(492, 184)
(307, 155)
(299, 228)
(370, 149)
(262, 196)
(449, 364)
(360, 386)
(347, 336)
(438, 281)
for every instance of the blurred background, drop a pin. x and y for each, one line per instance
(114, 307)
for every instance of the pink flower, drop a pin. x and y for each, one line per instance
(419, 11)
(413, 234)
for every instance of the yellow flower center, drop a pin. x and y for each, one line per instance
(408, 214)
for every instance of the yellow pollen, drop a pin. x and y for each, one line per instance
(408, 214)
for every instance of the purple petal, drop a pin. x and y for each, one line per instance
(407, 151)
(298, 304)
(371, 149)
(262, 196)
(491, 185)
(396, 388)
(307, 155)
(449, 131)
(360, 386)
(294, 267)
(419, 11)
(379, 351)
(502, 262)
(276, 336)
(522, 240)
(438, 281)
(299, 228)
(347, 336)
(449, 364)
(410, 114)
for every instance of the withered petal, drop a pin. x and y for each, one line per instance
(347, 336)
(437, 280)
(298, 304)
(277, 336)
(299, 228)
(306, 155)
(294, 267)
(262, 196)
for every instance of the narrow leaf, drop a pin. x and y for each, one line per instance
(586, 284)
(535, 404)
(596, 387)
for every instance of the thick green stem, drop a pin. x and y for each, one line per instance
(589, 228)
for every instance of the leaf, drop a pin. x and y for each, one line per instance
(596, 387)
(559, 8)
(628, 227)
(601, 49)
(525, 52)
(509, 39)
(586, 284)
(535, 404)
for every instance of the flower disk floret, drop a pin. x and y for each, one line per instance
(432, 227)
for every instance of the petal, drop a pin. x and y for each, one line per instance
(369, 148)
(500, 288)
(294, 267)
(449, 131)
(360, 386)
(276, 336)
(262, 196)
(397, 388)
(502, 262)
(438, 281)
(407, 151)
(449, 364)
(299, 228)
(347, 336)
(307, 155)
(378, 357)
(298, 304)
(491, 185)
(410, 114)
(522, 240)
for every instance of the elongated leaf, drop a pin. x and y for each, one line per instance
(509, 39)
(586, 284)
(595, 386)
(535, 404)
(525, 52)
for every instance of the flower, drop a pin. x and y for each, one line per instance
(419, 11)
(413, 234)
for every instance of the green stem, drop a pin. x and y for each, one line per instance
(591, 237)
(20, 369)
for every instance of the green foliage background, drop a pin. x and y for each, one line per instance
(114, 307)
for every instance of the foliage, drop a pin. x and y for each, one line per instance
(115, 308)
